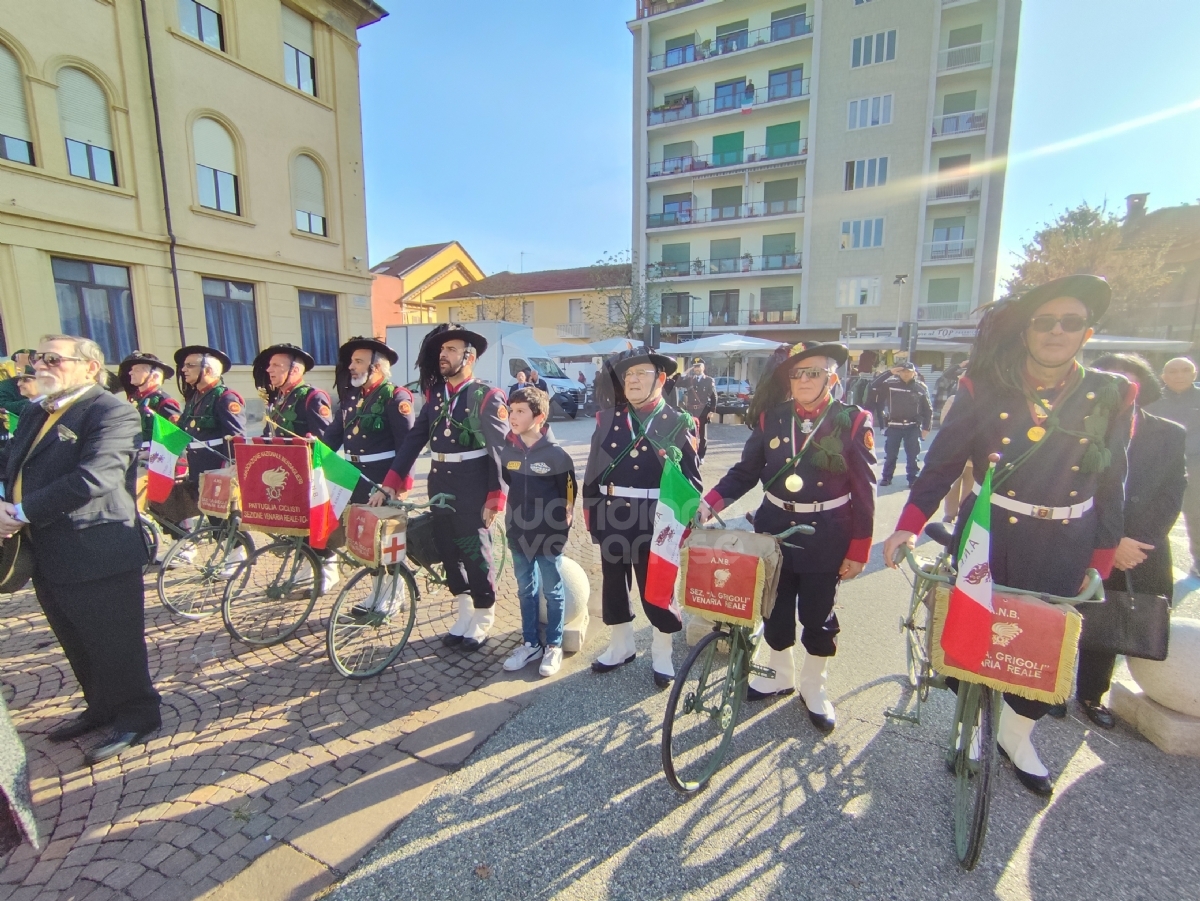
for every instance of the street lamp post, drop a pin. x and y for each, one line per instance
(900, 281)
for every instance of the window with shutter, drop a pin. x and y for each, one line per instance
(299, 57)
(16, 141)
(216, 167)
(83, 109)
(308, 188)
(318, 326)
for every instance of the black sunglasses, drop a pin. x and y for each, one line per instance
(1072, 322)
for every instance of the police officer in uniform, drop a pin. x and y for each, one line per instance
(698, 397)
(142, 376)
(620, 494)
(465, 424)
(902, 404)
(1061, 433)
(813, 456)
(295, 409)
(374, 415)
(211, 411)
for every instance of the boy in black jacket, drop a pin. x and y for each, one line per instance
(541, 499)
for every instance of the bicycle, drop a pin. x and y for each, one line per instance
(971, 755)
(706, 698)
(198, 566)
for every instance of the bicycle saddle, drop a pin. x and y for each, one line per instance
(939, 533)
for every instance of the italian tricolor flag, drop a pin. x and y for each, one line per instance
(166, 447)
(967, 634)
(333, 481)
(678, 501)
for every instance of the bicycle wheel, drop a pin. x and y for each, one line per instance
(974, 764)
(152, 538)
(272, 593)
(371, 621)
(702, 711)
(197, 568)
(917, 637)
(499, 546)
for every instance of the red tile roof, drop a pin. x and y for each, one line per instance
(586, 278)
(408, 259)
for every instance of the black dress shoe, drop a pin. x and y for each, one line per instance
(1039, 785)
(1098, 713)
(753, 694)
(598, 667)
(1058, 711)
(660, 680)
(470, 644)
(825, 724)
(81, 725)
(451, 640)
(883, 483)
(113, 744)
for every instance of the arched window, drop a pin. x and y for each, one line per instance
(308, 196)
(216, 167)
(16, 141)
(83, 109)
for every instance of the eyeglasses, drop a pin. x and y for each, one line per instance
(52, 359)
(799, 375)
(1072, 322)
(640, 374)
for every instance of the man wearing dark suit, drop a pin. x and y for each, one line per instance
(70, 480)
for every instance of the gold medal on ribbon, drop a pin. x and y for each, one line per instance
(1036, 434)
(793, 483)
(774, 443)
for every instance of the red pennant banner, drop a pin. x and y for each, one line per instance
(274, 477)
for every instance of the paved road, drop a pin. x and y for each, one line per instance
(568, 800)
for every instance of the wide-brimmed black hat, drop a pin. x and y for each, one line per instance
(149, 359)
(297, 353)
(839, 353)
(627, 358)
(184, 352)
(1090, 290)
(446, 332)
(361, 343)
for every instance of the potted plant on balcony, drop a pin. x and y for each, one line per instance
(705, 47)
(697, 266)
(747, 262)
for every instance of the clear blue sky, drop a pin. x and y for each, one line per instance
(507, 126)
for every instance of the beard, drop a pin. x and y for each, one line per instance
(50, 384)
(359, 380)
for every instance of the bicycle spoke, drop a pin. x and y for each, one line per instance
(196, 570)
(272, 593)
(371, 621)
(974, 759)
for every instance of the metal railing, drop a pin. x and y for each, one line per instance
(938, 251)
(726, 266)
(956, 189)
(648, 8)
(724, 318)
(944, 311)
(960, 123)
(962, 57)
(574, 330)
(682, 111)
(780, 30)
(699, 162)
(702, 215)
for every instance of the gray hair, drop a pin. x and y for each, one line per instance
(209, 363)
(380, 362)
(85, 348)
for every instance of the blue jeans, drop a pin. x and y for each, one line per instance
(536, 576)
(910, 437)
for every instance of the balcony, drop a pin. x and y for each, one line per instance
(648, 8)
(775, 262)
(706, 215)
(959, 124)
(943, 312)
(574, 330)
(684, 110)
(960, 251)
(781, 30)
(947, 190)
(726, 319)
(697, 163)
(966, 57)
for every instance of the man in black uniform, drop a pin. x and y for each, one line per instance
(1061, 433)
(902, 404)
(698, 397)
(465, 424)
(620, 494)
(374, 415)
(295, 409)
(813, 456)
(211, 411)
(142, 376)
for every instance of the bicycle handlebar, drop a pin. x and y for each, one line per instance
(1093, 591)
(441, 501)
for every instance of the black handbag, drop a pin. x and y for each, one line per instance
(1128, 622)
(16, 563)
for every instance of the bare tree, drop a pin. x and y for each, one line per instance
(621, 303)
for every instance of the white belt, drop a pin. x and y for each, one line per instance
(216, 442)
(457, 458)
(367, 458)
(1073, 512)
(817, 507)
(622, 491)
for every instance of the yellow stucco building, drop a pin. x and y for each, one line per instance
(406, 283)
(240, 117)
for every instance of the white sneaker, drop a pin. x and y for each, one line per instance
(522, 655)
(551, 661)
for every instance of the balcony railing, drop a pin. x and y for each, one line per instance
(727, 266)
(963, 57)
(574, 330)
(940, 251)
(699, 162)
(960, 124)
(695, 109)
(780, 30)
(727, 318)
(648, 8)
(956, 189)
(759, 209)
(943, 311)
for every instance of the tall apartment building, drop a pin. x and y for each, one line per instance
(792, 161)
(258, 133)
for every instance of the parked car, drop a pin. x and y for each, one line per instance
(733, 395)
